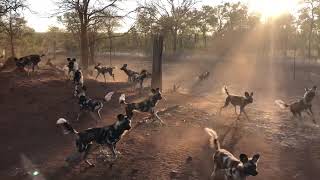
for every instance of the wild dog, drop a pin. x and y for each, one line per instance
(304, 104)
(147, 106)
(241, 101)
(79, 90)
(106, 136)
(139, 78)
(129, 72)
(30, 60)
(92, 105)
(78, 77)
(73, 66)
(204, 76)
(233, 168)
(103, 70)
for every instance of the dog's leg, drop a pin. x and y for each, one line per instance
(245, 114)
(86, 155)
(312, 115)
(104, 76)
(97, 75)
(235, 110)
(157, 116)
(226, 103)
(79, 114)
(99, 114)
(213, 174)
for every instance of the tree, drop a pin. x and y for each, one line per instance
(170, 15)
(308, 15)
(87, 12)
(11, 21)
(12, 25)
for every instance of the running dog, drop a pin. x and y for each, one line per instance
(30, 60)
(204, 76)
(103, 70)
(304, 104)
(241, 101)
(147, 106)
(233, 168)
(131, 74)
(139, 78)
(106, 136)
(92, 105)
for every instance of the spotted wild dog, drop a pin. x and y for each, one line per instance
(107, 136)
(30, 60)
(92, 105)
(224, 161)
(241, 101)
(304, 104)
(129, 73)
(78, 77)
(73, 66)
(147, 106)
(139, 78)
(103, 70)
(204, 76)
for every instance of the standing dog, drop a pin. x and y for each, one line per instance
(30, 60)
(73, 66)
(92, 105)
(233, 168)
(304, 104)
(103, 70)
(105, 136)
(131, 74)
(147, 105)
(241, 101)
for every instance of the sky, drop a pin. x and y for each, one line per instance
(41, 18)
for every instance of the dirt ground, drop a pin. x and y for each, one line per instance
(290, 149)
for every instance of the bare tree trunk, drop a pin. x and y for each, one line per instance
(54, 49)
(11, 39)
(110, 50)
(84, 46)
(174, 39)
(156, 81)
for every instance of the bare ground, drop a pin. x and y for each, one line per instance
(289, 149)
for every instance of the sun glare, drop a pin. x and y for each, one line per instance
(272, 8)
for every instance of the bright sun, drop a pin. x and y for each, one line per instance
(272, 8)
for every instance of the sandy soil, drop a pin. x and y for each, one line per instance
(289, 149)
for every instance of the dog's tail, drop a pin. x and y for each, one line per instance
(67, 128)
(214, 142)
(108, 96)
(225, 90)
(122, 99)
(281, 104)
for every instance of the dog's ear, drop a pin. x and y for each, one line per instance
(158, 89)
(314, 87)
(246, 94)
(251, 94)
(255, 158)
(243, 158)
(306, 89)
(153, 91)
